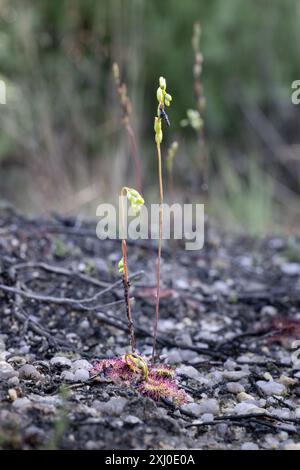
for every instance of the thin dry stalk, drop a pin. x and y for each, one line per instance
(126, 284)
(127, 110)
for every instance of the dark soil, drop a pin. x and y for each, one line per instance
(229, 315)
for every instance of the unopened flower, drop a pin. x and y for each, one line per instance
(135, 199)
(121, 266)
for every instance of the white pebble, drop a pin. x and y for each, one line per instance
(235, 387)
(81, 375)
(81, 364)
(235, 374)
(114, 406)
(60, 361)
(207, 417)
(133, 420)
(21, 403)
(249, 446)
(68, 376)
(189, 372)
(29, 372)
(291, 269)
(245, 408)
(271, 388)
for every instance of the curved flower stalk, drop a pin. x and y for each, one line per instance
(136, 201)
(164, 99)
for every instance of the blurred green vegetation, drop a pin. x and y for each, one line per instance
(61, 131)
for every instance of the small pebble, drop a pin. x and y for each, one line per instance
(68, 376)
(235, 387)
(190, 372)
(222, 429)
(7, 371)
(81, 364)
(291, 269)
(13, 381)
(235, 374)
(133, 420)
(245, 397)
(114, 406)
(294, 446)
(84, 324)
(192, 408)
(21, 403)
(29, 372)
(209, 406)
(249, 446)
(34, 435)
(60, 361)
(229, 364)
(287, 381)
(81, 375)
(12, 393)
(271, 388)
(207, 417)
(271, 441)
(268, 310)
(245, 408)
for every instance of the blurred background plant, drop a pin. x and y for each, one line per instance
(62, 145)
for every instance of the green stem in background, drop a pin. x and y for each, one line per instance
(200, 100)
(127, 110)
(170, 160)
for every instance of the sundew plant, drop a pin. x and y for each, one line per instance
(150, 379)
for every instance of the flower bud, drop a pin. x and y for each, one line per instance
(162, 83)
(159, 95)
(135, 199)
(116, 71)
(121, 266)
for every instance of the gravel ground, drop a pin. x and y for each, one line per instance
(229, 321)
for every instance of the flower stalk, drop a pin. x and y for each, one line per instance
(164, 99)
(136, 201)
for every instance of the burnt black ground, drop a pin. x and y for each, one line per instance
(231, 307)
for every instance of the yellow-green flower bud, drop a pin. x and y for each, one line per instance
(116, 71)
(162, 83)
(168, 97)
(160, 95)
(174, 146)
(121, 266)
(135, 199)
(171, 154)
